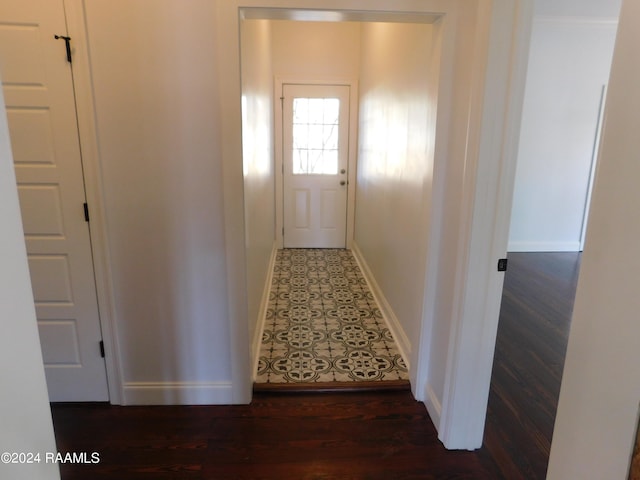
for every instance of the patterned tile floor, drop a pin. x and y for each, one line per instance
(323, 324)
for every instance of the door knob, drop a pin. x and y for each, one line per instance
(342, 182)
(343, 171)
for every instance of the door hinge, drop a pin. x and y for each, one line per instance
(283, 231)
(86, 212)
(502, 265)
(67, 42)
(102, 348)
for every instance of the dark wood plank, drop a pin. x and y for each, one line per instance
(332, 435)
(533, 331)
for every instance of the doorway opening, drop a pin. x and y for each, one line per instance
(556, 166)
(379, 163)
(447, 182)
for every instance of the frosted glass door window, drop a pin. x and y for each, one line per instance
(315, 136)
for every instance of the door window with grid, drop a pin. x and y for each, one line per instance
(315, 136)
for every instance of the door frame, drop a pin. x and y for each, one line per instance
(492, 108)
(279, 83)
(595, 153)
(85, 111)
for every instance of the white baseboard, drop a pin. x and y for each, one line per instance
(262, 314)
(544, 247)
(178, 393)
(402, 341)
(433, 405)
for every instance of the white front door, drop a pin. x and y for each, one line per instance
(38, 88)
(315, 155)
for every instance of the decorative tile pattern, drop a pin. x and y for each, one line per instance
(323, 324)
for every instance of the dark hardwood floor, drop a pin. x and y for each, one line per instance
(535, 316)
(279, 436)
(351, 435)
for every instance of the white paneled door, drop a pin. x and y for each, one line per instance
(315, 155)
(38, 88)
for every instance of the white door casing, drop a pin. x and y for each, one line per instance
(38, 88)
(315, 136)
(496, 80)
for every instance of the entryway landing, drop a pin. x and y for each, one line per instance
(323, 329)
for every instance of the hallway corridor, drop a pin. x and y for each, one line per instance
(323, 326)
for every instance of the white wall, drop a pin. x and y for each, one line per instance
(316, 50)
(598, 407)
(450, 170)
(155, 83)
(568, 66)
(25, 417)
(258, 169)
(395, 166)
